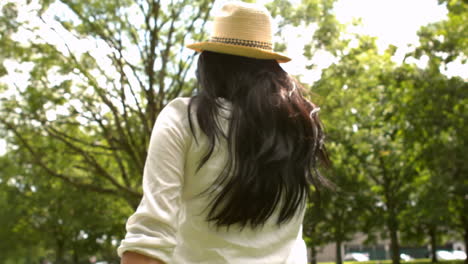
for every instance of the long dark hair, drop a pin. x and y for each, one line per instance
(275, 139)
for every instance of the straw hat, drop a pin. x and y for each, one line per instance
(242, 29)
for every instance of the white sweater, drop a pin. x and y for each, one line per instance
(170, 224)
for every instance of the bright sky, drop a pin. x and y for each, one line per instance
(396, 22)
(392, 21)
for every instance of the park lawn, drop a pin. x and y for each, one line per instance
(389, 261)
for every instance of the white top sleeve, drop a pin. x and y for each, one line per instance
(151, 230)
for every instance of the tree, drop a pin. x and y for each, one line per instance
(445, 41)
(435, 132)
(361, 101)
(338, 214)
(388, 114)
(317, 17)
(314, 231)
(13, 229)
(437, 114)
(102, 106)
(82, 119)
(52, 220)
(428, 216)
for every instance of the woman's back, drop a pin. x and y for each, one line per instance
(203, 242)
(172, 214)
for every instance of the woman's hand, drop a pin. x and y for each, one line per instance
(130, 257)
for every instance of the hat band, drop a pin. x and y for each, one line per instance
(243, 42)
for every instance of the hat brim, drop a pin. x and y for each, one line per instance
(231, 49)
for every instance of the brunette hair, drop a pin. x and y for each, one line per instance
(275, 139)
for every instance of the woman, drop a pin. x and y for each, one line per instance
(228, 171)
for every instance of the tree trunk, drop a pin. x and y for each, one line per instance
(59, 253)
(433, 236)
(313, 255)
(76, 256)
(466, 243)
(339, 260)
(394, 244)
(392, 211)
(394, 247)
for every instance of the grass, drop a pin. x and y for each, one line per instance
(389, 261)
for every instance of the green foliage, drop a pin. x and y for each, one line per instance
(396, 131)
(102, 113)
(365, 142)
(49, 218)
(447, 40)
(307, 13)
(79, 123)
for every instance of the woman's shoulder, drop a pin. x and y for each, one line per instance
(178, 103)
(175, 113)
(176, 107)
